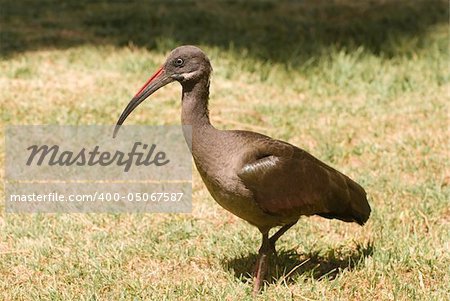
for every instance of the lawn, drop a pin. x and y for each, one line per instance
(364, 86)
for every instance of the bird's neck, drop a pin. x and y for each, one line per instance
(195, 104)
(195, 116)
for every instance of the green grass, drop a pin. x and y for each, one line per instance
(364, 87)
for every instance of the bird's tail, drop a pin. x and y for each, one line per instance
(349, 205)
(359, 205)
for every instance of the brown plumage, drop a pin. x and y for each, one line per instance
(264, 181)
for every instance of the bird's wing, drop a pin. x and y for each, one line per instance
(288, 181)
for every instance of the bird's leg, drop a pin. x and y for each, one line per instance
(261, 265)
(276, 235)
(267, 248)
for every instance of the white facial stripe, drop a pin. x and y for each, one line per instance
(188, 75)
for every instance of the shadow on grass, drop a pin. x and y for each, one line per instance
(283, 31)
(289, 264)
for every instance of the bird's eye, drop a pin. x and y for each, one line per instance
(179, 62)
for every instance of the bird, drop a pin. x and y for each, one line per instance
(267, 182)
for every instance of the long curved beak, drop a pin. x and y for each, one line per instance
(156, 81)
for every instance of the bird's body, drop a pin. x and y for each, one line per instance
(270, 183)
(264, 181)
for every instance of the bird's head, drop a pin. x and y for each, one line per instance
(185, 64)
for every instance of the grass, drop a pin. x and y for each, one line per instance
(363, 86)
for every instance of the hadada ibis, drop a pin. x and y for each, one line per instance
(267, 182)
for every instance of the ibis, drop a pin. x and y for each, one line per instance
(267, 182)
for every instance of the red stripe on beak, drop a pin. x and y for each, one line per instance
(157, 73)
